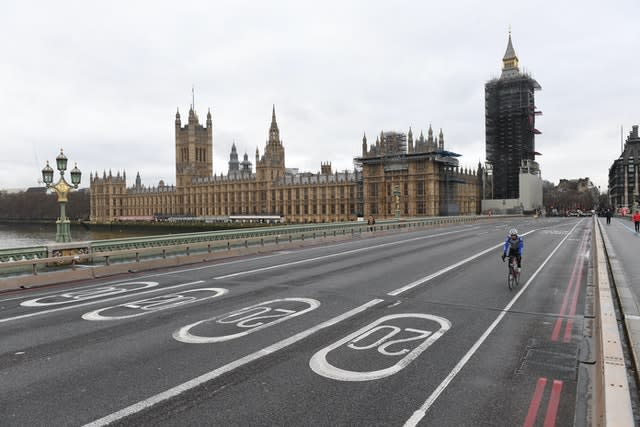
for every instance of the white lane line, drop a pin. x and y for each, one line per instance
(169, 273)
(54, 310)
(218, 265)
(179, 389)
(444, 270)
(422, 411)
(353, 251)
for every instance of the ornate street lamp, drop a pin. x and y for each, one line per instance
(62, 188)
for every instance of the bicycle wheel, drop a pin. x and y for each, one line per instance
(510, 280)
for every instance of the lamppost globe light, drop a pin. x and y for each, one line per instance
(75, 176)
(47, 174)
(61, 162)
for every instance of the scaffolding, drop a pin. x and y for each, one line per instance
(510, 114)
(389, 178)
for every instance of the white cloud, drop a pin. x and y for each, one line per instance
(103, 80)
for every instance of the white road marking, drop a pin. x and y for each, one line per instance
(186, 386)
(180, 271)
(321, 366)
(353, 251)
(446, 269)
(84, 304)
(157, 303)
(71, 297)
(422, 411)
(218, 265)
(241, 318)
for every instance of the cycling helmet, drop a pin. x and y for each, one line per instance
(513, 231)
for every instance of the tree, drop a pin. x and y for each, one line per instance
(36, 204)
(571, 195)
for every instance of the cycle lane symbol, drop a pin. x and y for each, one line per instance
(244, 321)
(87, 294)
(153, 304)
(388, 344)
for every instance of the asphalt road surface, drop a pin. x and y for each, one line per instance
(411, 328)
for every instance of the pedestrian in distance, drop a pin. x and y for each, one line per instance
(636, 220)
(371, 222)
(608, 215)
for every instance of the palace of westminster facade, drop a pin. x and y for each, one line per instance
(395, 176)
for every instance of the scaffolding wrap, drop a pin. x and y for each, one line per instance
(510, 119)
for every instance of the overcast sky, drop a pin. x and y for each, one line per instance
(103, 79)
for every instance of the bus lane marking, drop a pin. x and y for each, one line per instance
(376, 340)
(195, 382)
(153, 304)
(247, 320)
(85, 294)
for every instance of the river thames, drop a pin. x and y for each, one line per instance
(26, 235)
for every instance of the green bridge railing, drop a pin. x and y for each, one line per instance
(43, 259)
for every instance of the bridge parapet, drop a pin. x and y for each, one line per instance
(47, 265)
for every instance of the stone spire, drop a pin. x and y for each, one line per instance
(432, 144)
(510, 60)
(364, 145)
(274, 132)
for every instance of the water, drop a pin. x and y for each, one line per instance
(27, 235)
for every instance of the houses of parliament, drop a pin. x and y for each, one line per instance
(397, 176)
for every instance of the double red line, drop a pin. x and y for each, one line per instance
(568, 310)
(572, 291)
(552, 405)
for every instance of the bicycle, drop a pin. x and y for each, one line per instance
(513, 277)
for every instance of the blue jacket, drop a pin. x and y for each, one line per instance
(507, 245)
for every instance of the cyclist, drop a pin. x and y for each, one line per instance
(513, 246)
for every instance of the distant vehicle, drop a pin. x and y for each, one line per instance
(579, 212)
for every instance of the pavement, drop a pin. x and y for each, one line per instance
(622, 245)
